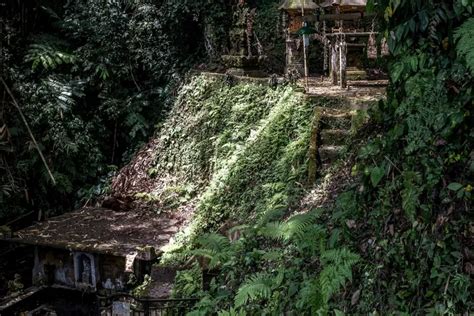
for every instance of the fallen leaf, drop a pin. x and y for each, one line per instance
(355, 297)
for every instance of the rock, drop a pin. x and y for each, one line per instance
(118, 204)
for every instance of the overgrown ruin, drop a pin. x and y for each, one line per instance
(244, 157)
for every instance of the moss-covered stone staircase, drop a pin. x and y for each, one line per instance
(336, 127)
(339, 118)
(335, 130)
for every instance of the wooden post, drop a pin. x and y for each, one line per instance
(326, 48)
(343, 63)
(334, 61)
(305, 57)
(146, 308)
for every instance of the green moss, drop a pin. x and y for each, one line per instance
(359, 119)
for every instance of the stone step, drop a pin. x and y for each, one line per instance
(358, 103)
(334, 136)
(330, 153)
(356, 74)
(347, 103)
(336, 120)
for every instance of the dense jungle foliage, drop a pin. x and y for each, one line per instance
(92, 79)
(95, 79)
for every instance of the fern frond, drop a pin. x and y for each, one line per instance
(339, 256)
(48, 56)
(50, 12)
(465, 42)
(311, 239)
(216, 259)
(214, 247)
(239, 228)
(215, 242)
(275, 231)
(337, 271)
(298, 224)
(206, 253)
(310, 294)
(292, 230)
(256, 287)
(272, 215)
(232, 312)
(273, 255)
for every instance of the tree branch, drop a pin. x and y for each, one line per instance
(29, 130)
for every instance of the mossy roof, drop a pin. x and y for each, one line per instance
(99, 230)
(298, 5)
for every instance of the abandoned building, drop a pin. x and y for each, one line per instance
(95, 250)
